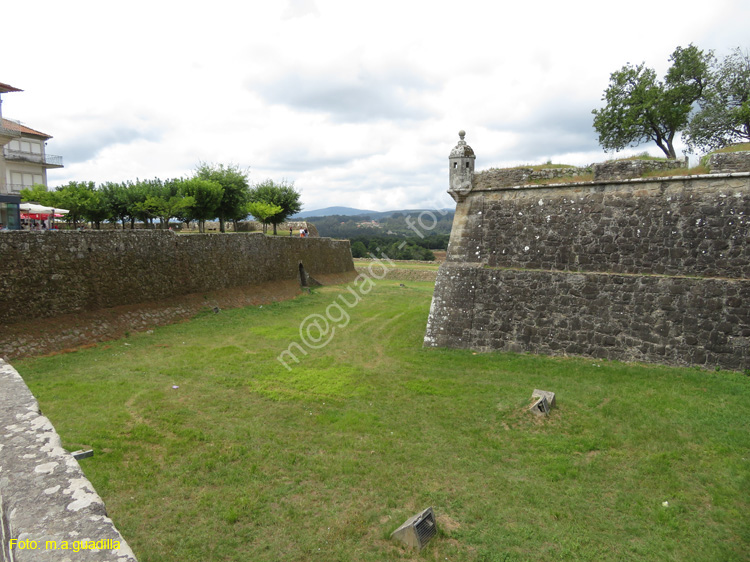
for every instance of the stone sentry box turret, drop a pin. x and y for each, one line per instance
(653, 269)
(461, 169)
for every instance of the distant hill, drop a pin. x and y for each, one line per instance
(328, 211)
(352, 212)
(389, 224)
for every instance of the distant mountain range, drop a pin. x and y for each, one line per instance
(328, 211)
(350, 212)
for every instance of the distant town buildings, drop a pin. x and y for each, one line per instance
(23, 162)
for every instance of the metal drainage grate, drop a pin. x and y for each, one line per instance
(417, 530)
(426, 528)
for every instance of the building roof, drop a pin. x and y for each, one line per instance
(4, 88)
(24, 129)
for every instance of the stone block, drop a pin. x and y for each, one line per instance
(550, 396)
(82, 454)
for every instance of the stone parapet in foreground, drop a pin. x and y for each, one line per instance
(46, 502)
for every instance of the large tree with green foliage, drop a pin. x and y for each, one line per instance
(165, 201)
(205, 197)
(116, 201)
(262, 211)
(96, 209)
(234, 182)
(75, 196)
(36, 193)
(281, 194)
(138, 194)
(724, 114)
(641, 108)
(359, 250)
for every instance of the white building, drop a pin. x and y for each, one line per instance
(24, 161)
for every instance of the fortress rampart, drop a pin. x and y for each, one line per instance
(51, 273)
(641, 269)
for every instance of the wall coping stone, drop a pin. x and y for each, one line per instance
(610, 182)
(44, 494)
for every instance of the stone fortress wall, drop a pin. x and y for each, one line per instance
(628, 268)
(47, 274)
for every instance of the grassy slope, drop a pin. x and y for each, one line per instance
(247, 461)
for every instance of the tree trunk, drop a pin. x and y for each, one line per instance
(221, 224)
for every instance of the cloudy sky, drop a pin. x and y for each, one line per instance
(359, 104)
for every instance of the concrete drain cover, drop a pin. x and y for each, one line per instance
(544, 400)
(417, 530)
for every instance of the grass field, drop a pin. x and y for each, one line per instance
(249, 461)
(401, 265)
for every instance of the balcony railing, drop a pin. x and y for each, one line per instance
(12, 188)
(10, 128)
(46, 159)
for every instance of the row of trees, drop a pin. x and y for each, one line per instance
(707, 100)
(356, 226)
(214, 191)
(394, 250)
(413, 248)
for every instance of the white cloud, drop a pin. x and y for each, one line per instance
(358, 104)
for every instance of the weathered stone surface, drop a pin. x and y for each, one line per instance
(682, 226)
(44, 495)
(654, 270)
(549, 396)
(625, 169)
(55, 273)
(672, 320)
(729, 162)
(510, 177)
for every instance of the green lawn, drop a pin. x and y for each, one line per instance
(426, 266)
(247, 461)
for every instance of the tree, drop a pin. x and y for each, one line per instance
(724, 115)
(641, 108)
(116, 201)
(359, 250)
(281, 194)
(234, 182)
(138, 194)
(37, 192)
(263, 211)
(75, 198)
(205, 199)
(95, 208)
(165, 201)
